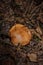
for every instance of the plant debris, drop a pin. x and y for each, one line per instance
(28, 13)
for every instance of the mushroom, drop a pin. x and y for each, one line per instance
(20, 34)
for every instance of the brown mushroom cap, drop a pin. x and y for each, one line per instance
(20, 34)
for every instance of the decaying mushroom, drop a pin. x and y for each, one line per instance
(20, 34)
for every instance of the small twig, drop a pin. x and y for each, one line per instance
(31, 6)
(34, 10)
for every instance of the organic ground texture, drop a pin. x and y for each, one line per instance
(30, 14)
